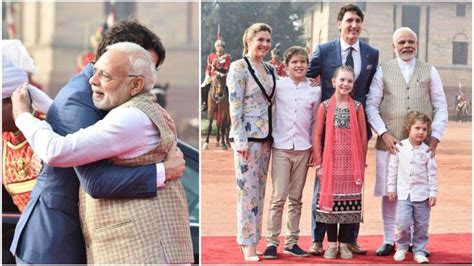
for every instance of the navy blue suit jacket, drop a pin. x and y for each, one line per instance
(49, 230)
(327, 57)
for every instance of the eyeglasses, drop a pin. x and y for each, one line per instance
(106, 77)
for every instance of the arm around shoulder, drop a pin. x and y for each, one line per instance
(314, 68)
(104, 180)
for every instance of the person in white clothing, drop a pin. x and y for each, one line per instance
(137, 118)
(104, 137)
(296, 102)
(412, 179)
(399, 86)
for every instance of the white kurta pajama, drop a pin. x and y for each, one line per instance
(374, 100)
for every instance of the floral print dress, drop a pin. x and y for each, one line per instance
(249, 119)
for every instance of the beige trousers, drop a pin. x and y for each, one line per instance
(289, 169)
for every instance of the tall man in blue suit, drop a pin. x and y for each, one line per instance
(49, 229)
(347, 50)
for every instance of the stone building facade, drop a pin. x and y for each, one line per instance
(444, 35)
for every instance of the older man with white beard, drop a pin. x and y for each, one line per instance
(148, 231)
(399, 86)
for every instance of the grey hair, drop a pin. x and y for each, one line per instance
(139, 62)
(403, 29)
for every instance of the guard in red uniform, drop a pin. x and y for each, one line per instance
(218, 63)
(275, 62)
(19, 166)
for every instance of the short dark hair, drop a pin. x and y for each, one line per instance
(350, 8)
(132, 31)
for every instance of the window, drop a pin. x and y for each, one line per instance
(121, 10)
(460, 49)
(460, 10)
(411, 18)
(362, 5)
(459, 53)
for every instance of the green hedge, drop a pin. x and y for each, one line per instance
(205, 124)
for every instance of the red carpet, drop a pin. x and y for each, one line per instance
(444, 248)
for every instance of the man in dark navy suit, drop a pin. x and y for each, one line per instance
(347, 50)
(49, 229)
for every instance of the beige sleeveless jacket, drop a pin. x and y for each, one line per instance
(140, 230)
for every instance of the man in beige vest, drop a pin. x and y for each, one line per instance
(149, 231)
(399, 86)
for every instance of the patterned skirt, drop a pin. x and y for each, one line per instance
(347, 195)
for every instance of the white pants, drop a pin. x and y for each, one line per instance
(389, 208)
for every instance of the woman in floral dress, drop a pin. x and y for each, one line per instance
(251, 84)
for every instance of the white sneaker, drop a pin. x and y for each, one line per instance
(421, 259)
(399, 255)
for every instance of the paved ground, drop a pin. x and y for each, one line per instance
(452, 214)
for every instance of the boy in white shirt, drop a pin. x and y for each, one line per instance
(412, 178)
(295, 104)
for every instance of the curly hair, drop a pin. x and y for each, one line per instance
(411, 118)
(132, 31)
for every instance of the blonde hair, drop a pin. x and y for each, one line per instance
(343, 68)
(411, 118)
(346, 69)
(251, 31)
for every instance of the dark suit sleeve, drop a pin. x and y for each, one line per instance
(375, 62)
(102, 179)
(374, 69)
(314, 68)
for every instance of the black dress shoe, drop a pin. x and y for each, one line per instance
(427, 253)
(385, 250)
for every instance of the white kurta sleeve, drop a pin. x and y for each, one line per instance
(440, 106)
(119, 132)
(392, 173)
(374, 98)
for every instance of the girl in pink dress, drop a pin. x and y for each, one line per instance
(340, 128)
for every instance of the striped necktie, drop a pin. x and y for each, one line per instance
(349, 59)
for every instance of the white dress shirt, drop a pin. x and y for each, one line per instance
(295, 107)
(355, 55)
(412, 172)
(438, 99)
(124, 132)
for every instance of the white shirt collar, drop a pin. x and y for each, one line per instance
(410, 63)
(288, 79)
(407, 143)
(345, 45)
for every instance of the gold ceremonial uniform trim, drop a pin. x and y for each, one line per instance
(22, 187)
(16, 147)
